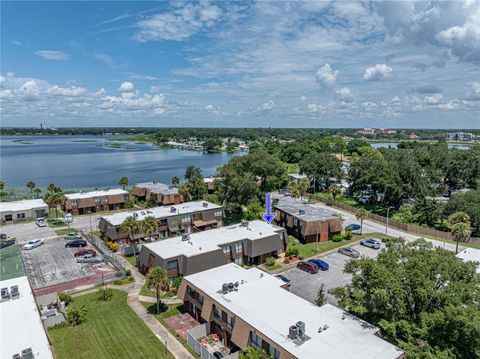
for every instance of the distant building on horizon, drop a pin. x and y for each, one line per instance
(459, 136)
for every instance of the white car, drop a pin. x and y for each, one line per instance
(68, 218)
(41, 222)
(33, 243)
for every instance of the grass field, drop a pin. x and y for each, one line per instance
(312, 249)
(112, 330)
(11, 265)
(64, 231)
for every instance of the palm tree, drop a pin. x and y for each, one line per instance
(157, 279)
(293, 188)
(149, 226)
(52, 188)
(37, 192)
(54, 200)
(458, 217)
(361, 214)
(30, 185)
(2, 185)
(131, 226)
(335, 191)
(123, 182)
(460, 222)
(303, 186)
(185, 192)
(175, 180)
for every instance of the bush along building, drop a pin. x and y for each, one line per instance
(245, 243)
(248, 307)
(305, 222)
(171, 220)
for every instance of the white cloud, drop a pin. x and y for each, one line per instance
(326, 76)
(267, 106)
(312, 108)
(106, 59)
(345, 94)
(52, 55)
(180, 23)
(377, 72)
(17, 43)
(209, 107)
(139, 77)
(303, 98)
(126, 87)
(28, 91)
(473, 94)
(71, 91)
(433, 99)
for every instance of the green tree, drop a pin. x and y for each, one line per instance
(469, 203)
(76, 316)
(2, 185)
(30, 185)
(254, 353)
(417, 294)
(253, 211)
(53, 188)
(361, 214)
(123, 182)
(131, 226)
(152, 200)
(294, 189)
(37, 192)
(303, 186)
(194, 181)
(53, 200)
(157, 279)
(105, 294)
(212, 144)
(149, 226)
(175, 181)
(334, 190)
(321, 166)
(321, 298)
(458, 217)
(461, 232)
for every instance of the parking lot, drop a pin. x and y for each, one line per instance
(52, 264)
(306, 285)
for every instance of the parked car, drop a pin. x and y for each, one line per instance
(371, 243)
(73, 235)
(41, 222)
(350, 252)
(321, 264)
(283, 279)
(6, 241)
(33, 244)
(83, 252)
(90, 259)
(76, 243)
(308, 267)
(68, 218)
(353, 227)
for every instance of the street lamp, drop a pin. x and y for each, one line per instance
(388, 214)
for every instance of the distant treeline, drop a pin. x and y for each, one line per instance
(246, 134)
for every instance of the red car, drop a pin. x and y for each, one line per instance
(308, 267)
(83, 252)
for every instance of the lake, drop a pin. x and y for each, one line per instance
(73, 162)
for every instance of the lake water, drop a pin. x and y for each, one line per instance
(71, 162)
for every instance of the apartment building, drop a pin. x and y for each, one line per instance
(305, 222)
(245, 243)
(22, 210)
(248, 307)
(95, 201)
(171, 220)
(460, 136)
(165, 194)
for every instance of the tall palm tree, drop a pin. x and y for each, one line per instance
(175, 180)
(458, 217)
(37, 192)
(361, 214)
(54, 200)
(303, 186)
(461, 231)
(334, 191)
(52, 188)
(2, 185)
(185, 192)
(293, 188)
(157, 279)
(123, 182)
(30, 185)
(149, 226)
(131, 226)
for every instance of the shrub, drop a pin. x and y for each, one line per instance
(337, 238)
(292, 252)
(105, 294)
(348, 234)
(128, 272)
(113, 246)
(76, 316)
(270, 261)
(66, 298)
(176, 283)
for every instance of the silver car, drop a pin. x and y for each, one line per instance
(350, 252)
(370, 243)
(88, 258)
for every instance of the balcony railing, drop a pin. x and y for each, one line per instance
(197, 339)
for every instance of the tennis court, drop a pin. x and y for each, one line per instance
(11, 265)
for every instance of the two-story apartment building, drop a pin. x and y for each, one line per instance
(165, 194)
(171, 220)
(306, 222)
(22, 210)
(245, 243)
(95, 201)
(248, 307)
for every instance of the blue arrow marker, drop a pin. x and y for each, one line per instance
(268, 216)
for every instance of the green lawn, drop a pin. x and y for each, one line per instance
(112, 330)
(312, 249)
(132, 260)
(170, 311)
(64, 231)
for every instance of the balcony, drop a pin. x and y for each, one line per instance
(206, 345)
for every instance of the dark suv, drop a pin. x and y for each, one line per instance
(76, 243)
(308, 267)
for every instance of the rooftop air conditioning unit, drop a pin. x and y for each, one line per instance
(301, 328)
(244, 223)
(27, 353)
(301, 211)
(16, 356)
(135, 215)
(173, 209)
(205, 204)
(185, 237)
(225, 288)
(293, 332)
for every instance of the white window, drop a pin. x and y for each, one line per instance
(274, 353)
(172, 265)
(226, 250)
(74, 203)
(256, 340)
(97, 199)
(238, 247)
(218, 213)
(186, 218)
(20, 215)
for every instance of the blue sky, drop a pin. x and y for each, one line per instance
(231, 64)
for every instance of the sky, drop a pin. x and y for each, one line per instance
(240, 64)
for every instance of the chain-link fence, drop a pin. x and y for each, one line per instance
(106, 252)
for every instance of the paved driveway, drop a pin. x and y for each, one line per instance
(306, 285)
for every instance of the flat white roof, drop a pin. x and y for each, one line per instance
(297, 175)
(105, 192)
(117, 219)
(271, 310)
(471, 254)
(24, 205)
(157, 187)
(207, 241)
(21, 326)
